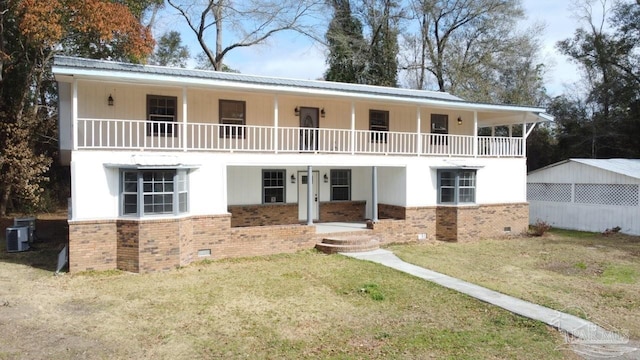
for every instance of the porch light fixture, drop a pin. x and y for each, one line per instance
(459, 120)
(326, 178)
(110, 100)
(297, 111)
(293, 177)
(322, 114)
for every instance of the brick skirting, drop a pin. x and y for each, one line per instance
(263, 214)
(346, 211)
(147, 245)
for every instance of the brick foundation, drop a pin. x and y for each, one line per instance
(468, 223)
(346, 211)
(147, 245)
(386, 211)
(263, 214)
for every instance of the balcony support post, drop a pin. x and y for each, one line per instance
(418, 135)
(275, 123)
(475, 134)
(374, 194)
(184, 119)
(310, 203)
(353, 128)
(74, 116)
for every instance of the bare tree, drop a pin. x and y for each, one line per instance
(467, 47)
(245, 23)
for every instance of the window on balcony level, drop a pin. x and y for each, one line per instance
(162, 110)
(379, 123)
(456, 186)
(232, 117)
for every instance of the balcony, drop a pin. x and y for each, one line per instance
(174, 136)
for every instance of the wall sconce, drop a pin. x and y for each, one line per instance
(297, 111)
(110, 100)
(322, 113)
(459, 120)
(326, 178)
(293, 179)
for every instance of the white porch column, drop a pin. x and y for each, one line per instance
(309, 195)
(418, 135)
(525, 134)
(74, 115)
(353, 128)
(374, 194)
(275, 123)
(184, 119)
(475, 134)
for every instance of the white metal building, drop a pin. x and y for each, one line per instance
(587, 194)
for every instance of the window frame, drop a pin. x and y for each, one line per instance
(232, 132)
(179, 193)
(444, 119)
(460, 182)
(283, 172)
(162, 129)
(333, 186)
(381, 127)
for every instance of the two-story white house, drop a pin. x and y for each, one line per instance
(169, 166)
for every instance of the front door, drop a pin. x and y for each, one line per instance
(308, 128)
(302, 195)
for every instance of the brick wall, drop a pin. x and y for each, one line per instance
(127, 245)
(263, 214)
(255, 241)
(468, 223)
(386, 211)
(345, 211)
(414, 221)
(92, 245)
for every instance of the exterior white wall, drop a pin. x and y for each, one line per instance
(577, 216)
(502, 181)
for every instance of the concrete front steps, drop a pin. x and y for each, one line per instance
(348, 244)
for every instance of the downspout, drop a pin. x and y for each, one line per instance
(309, 195)
(374, 194)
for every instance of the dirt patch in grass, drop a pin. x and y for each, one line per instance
(305, 305)
(588, 274)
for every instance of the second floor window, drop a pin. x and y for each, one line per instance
(379, 122)
(161, 111)
(232, 118)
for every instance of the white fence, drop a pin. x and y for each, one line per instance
(167, 135)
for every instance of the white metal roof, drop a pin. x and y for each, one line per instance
(71, 67)
(627, 167)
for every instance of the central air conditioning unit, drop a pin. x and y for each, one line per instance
(29, 222)
(17, 238)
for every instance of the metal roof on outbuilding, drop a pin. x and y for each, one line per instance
(627, 167)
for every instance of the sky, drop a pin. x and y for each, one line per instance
(295, 56)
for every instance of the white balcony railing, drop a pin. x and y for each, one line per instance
(160, 135)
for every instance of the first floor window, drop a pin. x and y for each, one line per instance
(162, 110)
(273, 182)
(456, 186)
(152, 192)
(340, 185)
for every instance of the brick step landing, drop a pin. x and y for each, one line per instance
(332, 245)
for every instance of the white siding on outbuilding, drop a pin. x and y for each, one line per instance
(587, 194)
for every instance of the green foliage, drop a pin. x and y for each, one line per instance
(619, 274)
(373, 290)
(346, 45)
(170, 51)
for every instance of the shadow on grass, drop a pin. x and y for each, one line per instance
(51, 236)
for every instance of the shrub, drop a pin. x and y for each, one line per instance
(539, 228)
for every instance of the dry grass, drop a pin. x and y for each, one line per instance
(590, 275)
(305, 305)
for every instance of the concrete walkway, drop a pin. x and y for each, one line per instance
(582, 332)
